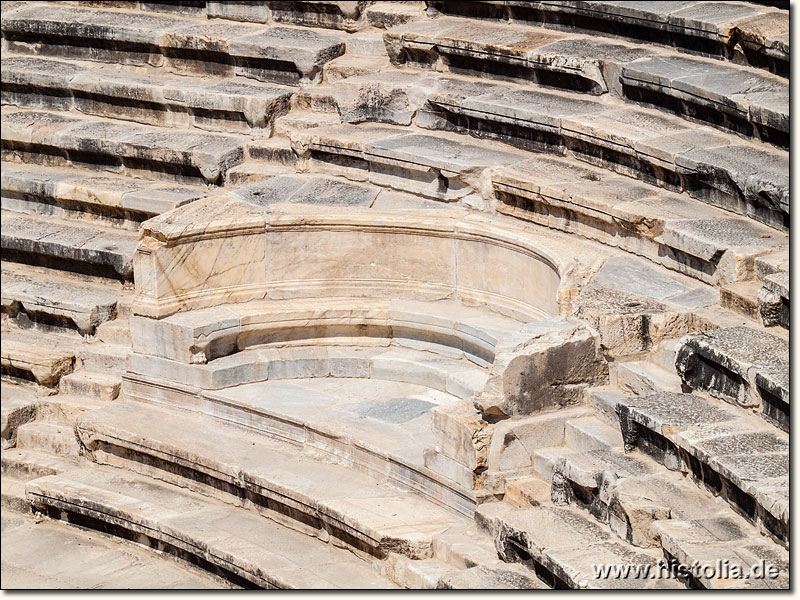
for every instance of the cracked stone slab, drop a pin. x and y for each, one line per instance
(725, 362)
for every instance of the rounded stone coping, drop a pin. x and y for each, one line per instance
(222, 250)
(342, 449)
(204, 335)
(459, 378)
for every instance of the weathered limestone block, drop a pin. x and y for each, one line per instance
(461, 434)
(514, 441)
(628, 323)
(725, 362)
(544, 365)
(773, 300)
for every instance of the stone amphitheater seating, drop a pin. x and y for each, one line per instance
(375, 295)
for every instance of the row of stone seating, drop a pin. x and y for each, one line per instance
(138, 94)
(280, 54)
(736, 31)
(742, 99)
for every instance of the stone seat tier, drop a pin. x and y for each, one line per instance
(741, 365)
(51, 138)
(36, 356)
(202, 530)
(202, 335)
(709, 542)
(713, 166)
(733, 455)
(279, 54)
(359, 509)
(74, 193)
(673, 229)
(737, 31)
(636, 496)
(142, 94)
(563, 545)
(84, 248)
(18, 406)
(54, 555)
(346, 16)
(430, 367)
(743, 99)
(58, 299)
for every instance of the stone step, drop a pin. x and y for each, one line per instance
(18, 406)
(56, 299)
(279, 54)
(115, 333)
(738, 98)
(702, 545)
(745, 366)
(106, 356)
(527, 491)
(54, 438)
(769, 264)
(60, 139)
(64, 245)
(330, 15)
(49, 554)
(389, 14)
(773, 300)
(12, 496)
(83, 194)
(438, 166)
(351, 65)
(643, 378)
(732, 454)
(590, 433)
(498, 575)
(639, 142)
(36, 356)
(675, 230)
(358, 509)
(634, 141)
(24, 464)
(741, 297)
(204, 530)
(144, 95)
(251, 172)
(64, 409)
(92, 384)
(562, 545)
(740, 32)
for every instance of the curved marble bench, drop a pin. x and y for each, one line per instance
(233, 249)
(200, 336)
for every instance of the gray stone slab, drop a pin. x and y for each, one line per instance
(393, 410)
(307, 49)
(441, 153)
(709, 238)
(320, 191)
(697, 298)
(637, 276)
(671, 410)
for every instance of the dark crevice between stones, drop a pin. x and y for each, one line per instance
(774, 409)
(739, 124)
(59, 263)
(16, 374)
(469, 64)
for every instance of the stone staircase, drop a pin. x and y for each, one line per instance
(339, 439)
